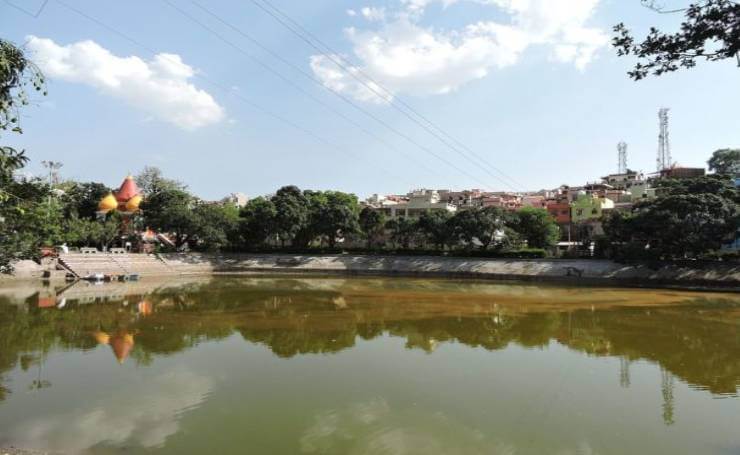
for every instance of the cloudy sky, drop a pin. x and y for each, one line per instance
(373, 96)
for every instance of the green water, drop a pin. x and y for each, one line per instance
(367, 366)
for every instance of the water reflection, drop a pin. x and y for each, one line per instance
(692, 336)
(88, 367)
(146, 418)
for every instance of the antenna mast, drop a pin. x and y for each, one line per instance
(664, 160)
(622, 164)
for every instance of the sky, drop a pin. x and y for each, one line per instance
(510, 94)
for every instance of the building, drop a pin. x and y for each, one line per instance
(416, 203)
(462, 199)
(677, 172)
(534, 200)
(624, 181)
(238, 199)
(507, 201)
(560, 210)
(588, 207)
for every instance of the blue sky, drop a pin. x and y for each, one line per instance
(532, 86)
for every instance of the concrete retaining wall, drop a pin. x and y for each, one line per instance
(715, 275)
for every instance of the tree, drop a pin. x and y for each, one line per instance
(82, 199)
(679, 226)
(481, 225)
(720, 185)
(16, 73)
(710, 31)
(437, 227)
(725, 161)
(257, 221)
(336, 217)
(151, 180)
(403, 231)
(536, 227)
(372, 224)
(291, 216)
(171, 211)
(213, 225)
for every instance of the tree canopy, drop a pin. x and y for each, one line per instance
(725, 161)
(710, 31)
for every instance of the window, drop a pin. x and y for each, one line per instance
(594, 212)
(579, 212)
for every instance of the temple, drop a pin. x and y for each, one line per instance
(126, 200)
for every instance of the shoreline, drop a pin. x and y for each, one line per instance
(720, 276)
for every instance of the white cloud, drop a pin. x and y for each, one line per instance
(351, 13)
(159, 87)
(407, 57)
(373, 14)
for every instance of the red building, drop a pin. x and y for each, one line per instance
(560, 211)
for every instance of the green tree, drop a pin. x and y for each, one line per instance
(151, 180)
(372, 224)
(291, 216)
(257, 221)
(678, 226)
(535, 226)
(710, 31)
(479, 225)
(16, 73)
(718, 184)
(214, 225)
(437, 228)
(20, 202)
(336, 217)
(171, 211)
(403, 231)
(82, 199)
(725, 161)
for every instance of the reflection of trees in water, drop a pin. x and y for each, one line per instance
(624, 372)
(666, 389)
(697, 343)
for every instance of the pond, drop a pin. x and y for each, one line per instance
(367, 366)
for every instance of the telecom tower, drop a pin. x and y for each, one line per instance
(664, 146)
(622, 165)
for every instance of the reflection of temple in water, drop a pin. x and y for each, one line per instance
(121, 343)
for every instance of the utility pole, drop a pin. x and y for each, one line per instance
(622, 163)
(664, 160)
(53, 167)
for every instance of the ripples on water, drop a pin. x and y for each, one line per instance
(281, 365)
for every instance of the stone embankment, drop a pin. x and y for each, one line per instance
(590, 271)
(585, 271)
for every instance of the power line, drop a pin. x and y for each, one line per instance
(218, 85)
(284, 78)
(319, 83)
(33, 15)
(389, 97)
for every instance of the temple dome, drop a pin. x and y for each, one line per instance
(127, 190)
(108, 203)
(133, 204)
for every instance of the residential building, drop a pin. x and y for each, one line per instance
(677, 172)
(560, 210)
(624, 181)
(508, 201)
(238, 199)
(418, 202)
(589, 207)
(534, 200)
(462, 199)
